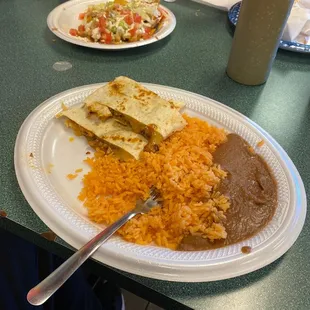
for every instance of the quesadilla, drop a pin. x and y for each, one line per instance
(144, 111)
(107, 135)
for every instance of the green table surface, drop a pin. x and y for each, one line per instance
(194, 58)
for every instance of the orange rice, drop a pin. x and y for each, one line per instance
(185, 176)
(261, 143)
(71, 176)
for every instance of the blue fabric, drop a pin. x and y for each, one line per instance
(23, 265)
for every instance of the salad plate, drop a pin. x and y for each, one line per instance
(69, 22)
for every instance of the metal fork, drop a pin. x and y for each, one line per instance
(45, 289)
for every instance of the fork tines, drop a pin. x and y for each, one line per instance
(154, 192)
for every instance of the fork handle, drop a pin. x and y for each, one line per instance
(45, 289)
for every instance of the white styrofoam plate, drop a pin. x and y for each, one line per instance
(53, 197)
(65, 16)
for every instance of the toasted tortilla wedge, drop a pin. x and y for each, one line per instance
(100, 110)
(123, 142)
(94, 105)
(146, 112)
(178, 104)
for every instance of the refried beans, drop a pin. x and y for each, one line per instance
(251, 189)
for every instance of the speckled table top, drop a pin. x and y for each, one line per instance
(194, 58)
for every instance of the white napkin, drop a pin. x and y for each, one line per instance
(224, 5)
(298, 25)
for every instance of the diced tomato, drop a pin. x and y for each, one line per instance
(102, 24)
(132, 31)
(104, 33)
(73, 32)
(137, 18)
(81, 28)
(81, 16)
(128, 20)
(108, 38)
(147, 30)
(146, 36)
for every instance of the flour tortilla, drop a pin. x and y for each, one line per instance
(110, 131)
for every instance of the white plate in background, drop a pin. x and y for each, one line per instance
(66, 16)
